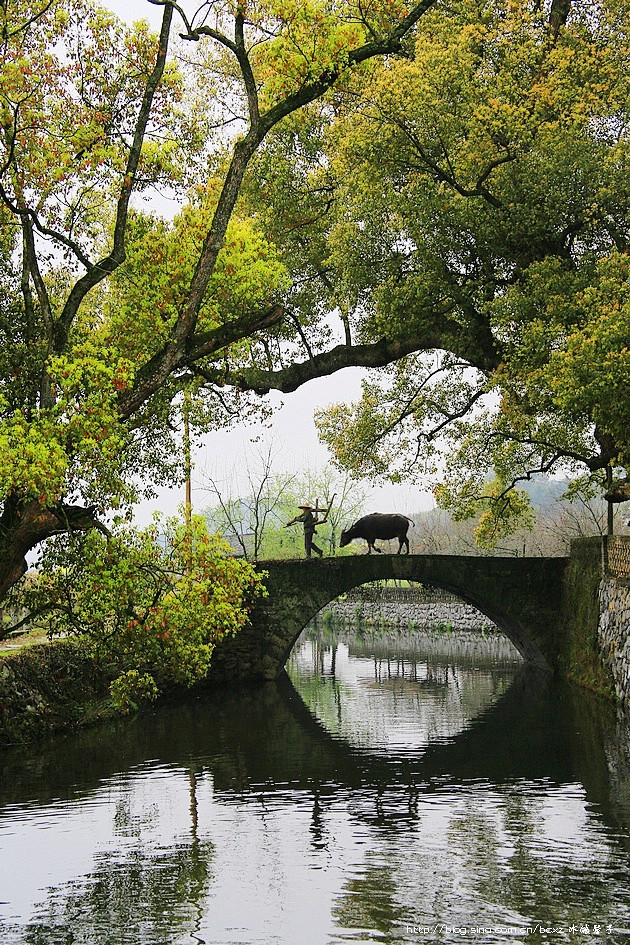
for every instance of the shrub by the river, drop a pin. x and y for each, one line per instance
(152, 603)
(49, 687)
(132, 688)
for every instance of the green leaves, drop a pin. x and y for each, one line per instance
(590, 374)
(482, 208)
(70, 88)
(153, 603)
(149, 291)
(499, 508)
(72, 448)
(311, 39)
(34, 462)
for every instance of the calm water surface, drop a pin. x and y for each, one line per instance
(379, 793)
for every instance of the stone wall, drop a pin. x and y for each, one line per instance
(423, 608)
(613, 632)
(595, 625)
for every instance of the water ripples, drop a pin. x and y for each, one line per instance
(373, 797)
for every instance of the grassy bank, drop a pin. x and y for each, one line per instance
(49, 687)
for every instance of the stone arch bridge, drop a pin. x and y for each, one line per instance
(523, 596)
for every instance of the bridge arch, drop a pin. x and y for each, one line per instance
(522, 596)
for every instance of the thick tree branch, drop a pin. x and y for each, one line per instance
(246, 71)
(371, 355)
(558, 16)
(209, 342)
(620, 492)
(23, 525)
(201, 346)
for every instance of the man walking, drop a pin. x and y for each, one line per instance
(310, 519)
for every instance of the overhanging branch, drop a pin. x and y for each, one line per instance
(371, 355)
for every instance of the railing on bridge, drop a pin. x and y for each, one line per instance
(616, 555)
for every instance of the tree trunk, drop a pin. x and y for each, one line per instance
(23, 525)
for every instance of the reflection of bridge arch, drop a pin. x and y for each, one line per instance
(263, 748)
(521, 595)
(221, 734)
(264, 739)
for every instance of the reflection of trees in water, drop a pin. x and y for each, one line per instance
(366, 700)
(133, 896)
(462, 830)
(370, 902)
(466, 648)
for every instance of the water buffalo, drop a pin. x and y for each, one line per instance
(378, 525)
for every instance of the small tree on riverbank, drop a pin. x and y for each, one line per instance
(151, 603)
(250, 499)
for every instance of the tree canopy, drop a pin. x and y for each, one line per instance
(481, 198)
(108, 313)
(441, 190)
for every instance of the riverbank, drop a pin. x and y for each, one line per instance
(51, 687)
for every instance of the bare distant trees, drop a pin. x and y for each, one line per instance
(251, 502)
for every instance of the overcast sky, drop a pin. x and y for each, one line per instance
(292, 428)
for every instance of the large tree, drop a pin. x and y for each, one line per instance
(470, 201)
(107, 314)
(370, 181)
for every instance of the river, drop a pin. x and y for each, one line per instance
(380, 792)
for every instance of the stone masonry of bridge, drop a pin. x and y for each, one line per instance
(523, 596)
